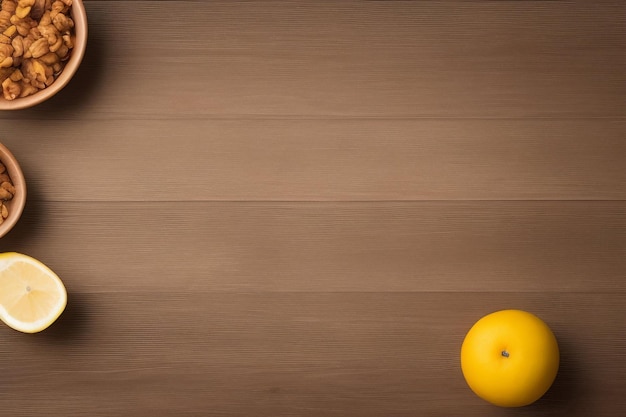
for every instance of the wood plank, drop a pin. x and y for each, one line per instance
(142, 160)
(146, 59)
(371, 247)
(349, 354)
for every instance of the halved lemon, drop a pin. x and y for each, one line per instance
(32, 296)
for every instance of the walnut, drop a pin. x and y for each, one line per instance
(5, 191)
(28, 89)
(7, 185)
(39, 48)
(9, 5)
(55, 42)
(5, 18)
(16, 76)
(24, 24)
(18, 46)
(58, 7)
(10, 32)
(6, 50)
(63, 52)
(48, 30)
(23, 8)
(10, 89)
(22, 12)
(6, 55)
(62, 22)
(7, 63)
(35, 72)
(50, 58)
(39, 8)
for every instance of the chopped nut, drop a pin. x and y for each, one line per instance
(7, 62)
(2, 168)
(10, 89)
(18, 46)
(50, 33)
(6, 51)
(5, 17)
(5, 194)
(10, 31)
(15, 76)
(23, 25)
(50, 58)
(57, 7)
(40, 70)
(27, 41)
(39, 8)
(8, 186)
(63, 52)
(33, 70)
(39, 48)
(28, 89)
(22, 12)
(58, 42)
(23, 8)
(46, 18)
(62, 22)
(9, 5)
(4, 211)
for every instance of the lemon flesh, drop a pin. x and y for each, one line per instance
(32, 296)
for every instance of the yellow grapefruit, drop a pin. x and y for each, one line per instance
(510, 358)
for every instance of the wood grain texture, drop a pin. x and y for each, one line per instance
(298, 208)
(304, 160)
(298, 354)
(266, 247)
(177, 59)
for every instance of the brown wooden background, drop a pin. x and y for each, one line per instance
(298, 208)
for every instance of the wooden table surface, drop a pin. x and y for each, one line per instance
(299, 208)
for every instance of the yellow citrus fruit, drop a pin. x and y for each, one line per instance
(510, 358)
(32, 296)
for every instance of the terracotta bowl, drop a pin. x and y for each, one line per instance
(79, 16)
(16, 205)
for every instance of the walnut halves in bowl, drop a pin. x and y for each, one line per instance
(42, 43)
